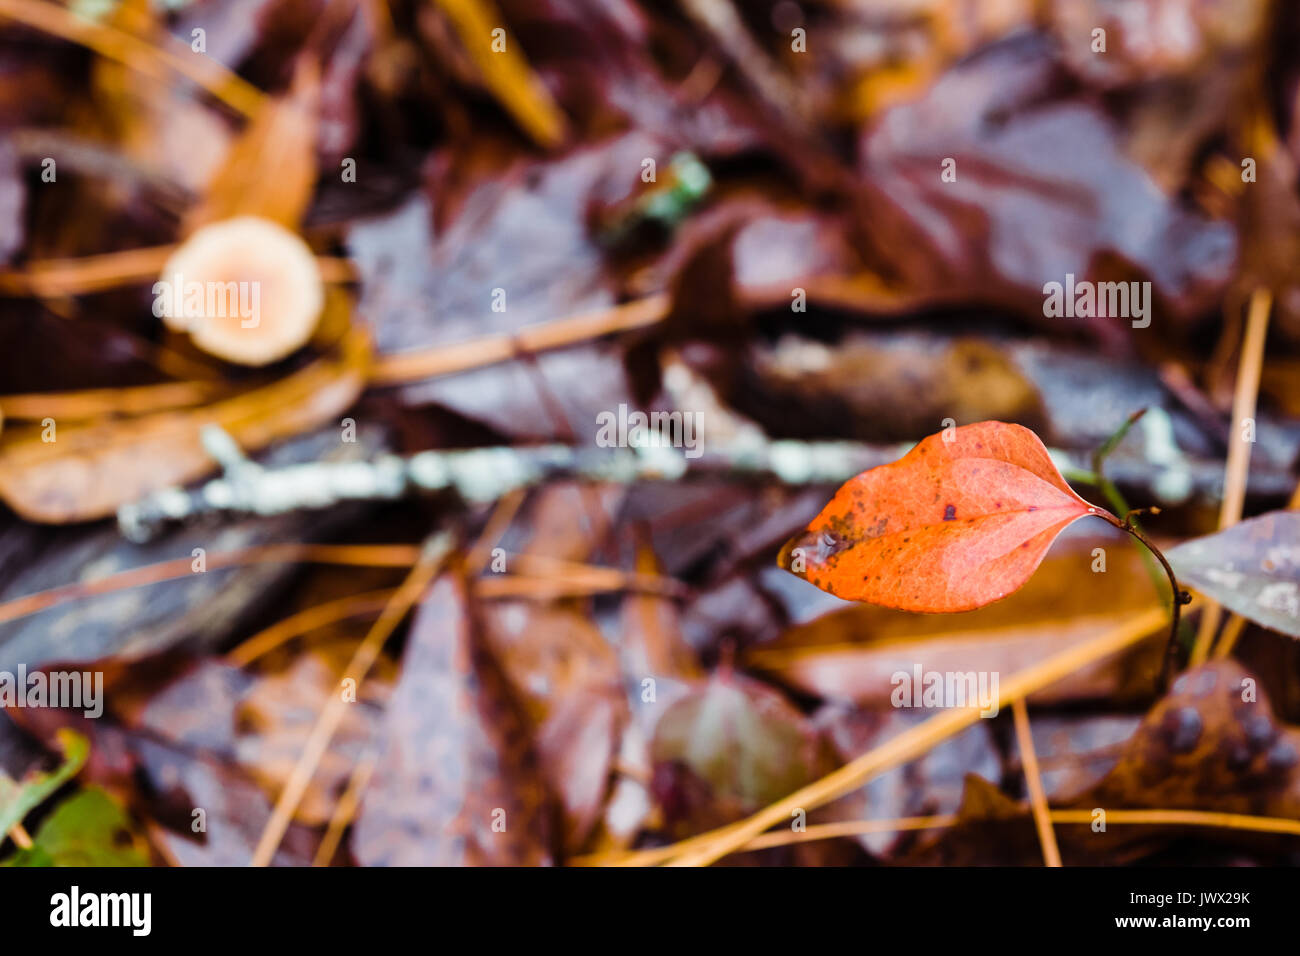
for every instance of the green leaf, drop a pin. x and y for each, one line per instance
(87, 829)
(741, 738)
(19, 798)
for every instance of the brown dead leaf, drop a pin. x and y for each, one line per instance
(651, 644)
(271, 169)
(163, 128)
(577, 745)
(457, 782)
(851, 654)
(991, 829)
(276, 718)
(92, 469)
(930, 785)
(566, 676)
(876, 387)
(1043, 189)
(1212, 744)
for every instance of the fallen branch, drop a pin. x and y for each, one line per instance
(478, 475)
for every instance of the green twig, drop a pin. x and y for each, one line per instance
(1168, 590)
(1116, 500)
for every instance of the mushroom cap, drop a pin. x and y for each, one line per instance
(246, 289)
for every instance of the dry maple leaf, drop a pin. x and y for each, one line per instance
(961, 520)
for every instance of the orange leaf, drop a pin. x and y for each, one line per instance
(961, 520)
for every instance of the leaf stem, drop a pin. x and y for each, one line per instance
(1113, 496)
(1180, 597)
(1130, 524)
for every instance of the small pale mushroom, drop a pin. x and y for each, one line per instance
(247, 290)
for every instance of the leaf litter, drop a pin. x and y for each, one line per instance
(797, 271)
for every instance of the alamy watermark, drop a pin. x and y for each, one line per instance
(72, 690)
(130, 910)
(1086, 300)
(638, 429)
(179, 299)
(936, 689)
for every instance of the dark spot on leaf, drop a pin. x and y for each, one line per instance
(829, 544)
(949, 513)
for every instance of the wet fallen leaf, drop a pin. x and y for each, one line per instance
(1252, 568)
(652, 647)
(853, 652)
(875, 387)
(930, 785)
(1031, 160)
(992, 829)
(90, 470)
(1212, 744)
(12, 202)
(525, 227)
(275, 719)
(206, 810)
(457, 782)
(559, 665)
(565, 675)
(733, 744)
(270, 170)
(576, 747)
